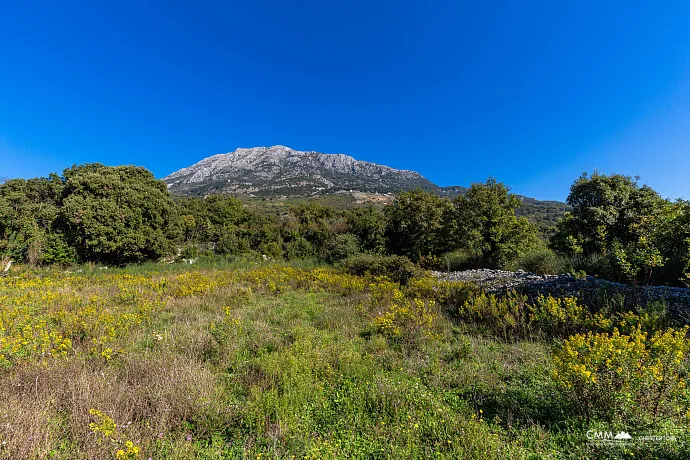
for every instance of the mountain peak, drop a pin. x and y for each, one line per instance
(280, 170)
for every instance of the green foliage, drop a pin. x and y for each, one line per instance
(616, 230)
(451, 295)
(58, 251)
(483, 224)
(272, 250)
(542, 261)
(230, 242)
(223, 210)
(607, 209)
(341, 247)
(457, 260)
(299, 248)
(638, 236)
(673, 239)
(397, 268)
(28, 212)
(416, 223)
(513, 316)
(189, 251)
(369, 226)
(118, 214)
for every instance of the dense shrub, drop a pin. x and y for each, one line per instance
(341, 247)
(416, 224)
(28, 220)
(298, 248)
(632, 234)
(369, 226)
(397, 268)
(272, 250)
(118, 214)
(513, 315)
(231, 243)
(409, 316)
(56, 250)
(541, 261)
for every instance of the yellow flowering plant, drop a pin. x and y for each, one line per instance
(106, 429)
(637, 378)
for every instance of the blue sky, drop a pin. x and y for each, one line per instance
(532, 93)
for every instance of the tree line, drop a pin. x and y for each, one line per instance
(119, 215)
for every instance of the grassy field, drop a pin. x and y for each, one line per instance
(269, 361)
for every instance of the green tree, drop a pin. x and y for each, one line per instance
(117, 214)
(341, 247)
(673, 240)
(484, 225)
(416, 223)
(28, 211)
(618, 220)
(224, 210)
(606, 209)
(368, 224)
(314, 223)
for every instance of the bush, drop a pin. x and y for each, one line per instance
(515, 316)
(341, 247)
(230, 243)
(450, 295)
(461, 259)
(430, 262)
(57, 251)
(628, 378)
(272, 250)
(189, 251)
(601, 266)
(540, 261)
(397, 268)
(299, 248)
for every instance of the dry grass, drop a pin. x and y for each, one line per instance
(146, 394)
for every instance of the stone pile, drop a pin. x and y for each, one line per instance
(589, 288)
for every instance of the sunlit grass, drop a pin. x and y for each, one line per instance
(256, 360)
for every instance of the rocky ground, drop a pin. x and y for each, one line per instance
(589, 288)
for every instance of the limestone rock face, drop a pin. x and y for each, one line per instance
(280, 170)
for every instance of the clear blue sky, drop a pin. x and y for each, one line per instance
(532, 93)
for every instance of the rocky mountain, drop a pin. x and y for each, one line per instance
(279, 170)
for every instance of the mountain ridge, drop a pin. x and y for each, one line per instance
(282, 171)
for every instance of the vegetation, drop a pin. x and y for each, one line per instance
(116, 214)
(483, 224)
(357, 354)
(265, 360)
(625, 232)
(122, 215)
(615, 229)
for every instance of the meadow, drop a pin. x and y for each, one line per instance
(268, 360)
